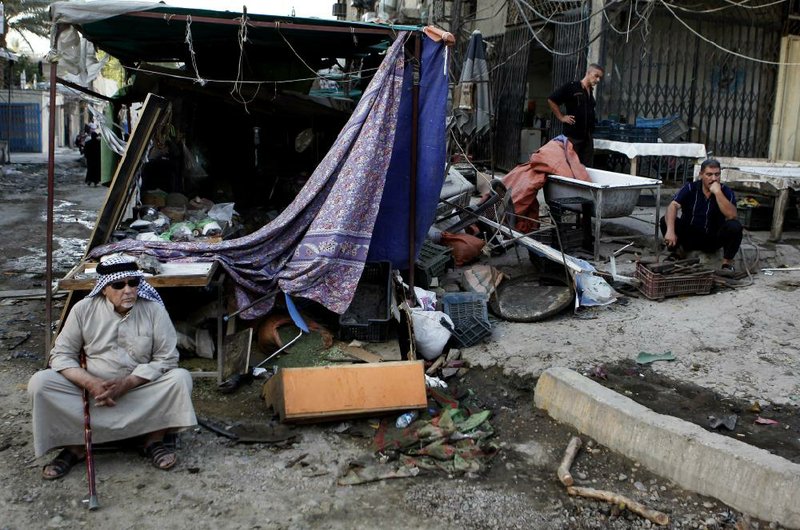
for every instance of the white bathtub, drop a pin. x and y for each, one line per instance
(614, 194)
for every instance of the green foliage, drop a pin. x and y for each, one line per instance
(26, 15)
(29, 66)
(112, 69)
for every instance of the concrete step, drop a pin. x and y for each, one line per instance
(744, 477)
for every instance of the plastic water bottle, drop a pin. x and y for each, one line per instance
(404, 420)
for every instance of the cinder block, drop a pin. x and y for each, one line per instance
(742, 476)
(325, 393)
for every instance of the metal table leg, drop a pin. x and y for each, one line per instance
(658, 218)
(598, 219)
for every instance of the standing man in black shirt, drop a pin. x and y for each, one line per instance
(579, 118)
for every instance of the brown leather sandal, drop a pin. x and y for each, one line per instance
(159, 455)
(61, 464)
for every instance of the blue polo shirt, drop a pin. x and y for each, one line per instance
(697, 210)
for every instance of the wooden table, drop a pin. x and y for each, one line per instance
(84, 276)
(774, 181)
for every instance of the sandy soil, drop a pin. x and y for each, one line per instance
(738, 343)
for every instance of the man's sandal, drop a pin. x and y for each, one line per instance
(61, 464)
(160, 455)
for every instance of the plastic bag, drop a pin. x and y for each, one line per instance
(429, 334)
(181, 232)
(427, 299)
(222, 212)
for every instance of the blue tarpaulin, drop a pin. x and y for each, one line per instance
(390, 237)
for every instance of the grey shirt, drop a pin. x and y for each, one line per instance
(141, 342)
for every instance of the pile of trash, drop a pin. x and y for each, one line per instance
(173, 217)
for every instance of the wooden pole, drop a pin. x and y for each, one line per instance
(638, 508)
(569, 456)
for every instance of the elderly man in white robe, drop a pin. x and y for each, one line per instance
(132, 374)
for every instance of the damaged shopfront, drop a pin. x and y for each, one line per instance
(271, 157)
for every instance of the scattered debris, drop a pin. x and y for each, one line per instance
(647, 358)
(15, 338)
(766, 421)
(599, 372)
(728, 421)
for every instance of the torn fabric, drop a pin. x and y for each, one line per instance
(316, 248)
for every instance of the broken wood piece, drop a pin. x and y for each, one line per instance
(569, 456)
(361, 354)
(638, 508)
(435, 366)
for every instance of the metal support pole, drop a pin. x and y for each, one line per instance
(412, 185)
(51, 168)
(8, 114)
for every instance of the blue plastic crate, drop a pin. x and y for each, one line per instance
(470, 317)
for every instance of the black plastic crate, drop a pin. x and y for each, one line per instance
(470, 317)
(673, 130)
(626, 133)
(755, 218)
(432, 262)
(369, 316)
(570, 236)
(573, 217)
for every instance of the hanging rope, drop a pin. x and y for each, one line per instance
(188, 40)
(236, 91)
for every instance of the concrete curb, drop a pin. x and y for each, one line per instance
(744, 477)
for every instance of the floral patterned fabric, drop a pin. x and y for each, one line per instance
(316, 248)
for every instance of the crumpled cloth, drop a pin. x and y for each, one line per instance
(556, 157)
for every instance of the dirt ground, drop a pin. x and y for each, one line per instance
(733, 348)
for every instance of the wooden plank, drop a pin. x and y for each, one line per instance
(324, 393)
(122, 184)
(362, 355)
(174, 275)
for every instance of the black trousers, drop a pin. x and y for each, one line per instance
(584, 148)
(729, 237)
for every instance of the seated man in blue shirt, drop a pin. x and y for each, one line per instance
(708, 217)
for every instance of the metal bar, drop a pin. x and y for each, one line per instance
(412, 184)
(276, 24)
(658, 218)
(51, 167)
(598, 219)
(85, 90)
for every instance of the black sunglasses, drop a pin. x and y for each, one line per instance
(133, 282)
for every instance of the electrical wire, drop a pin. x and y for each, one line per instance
(542, 44)
(720, 47)
(231, 81)
(731, 4)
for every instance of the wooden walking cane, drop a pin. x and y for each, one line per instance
(87, 439)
